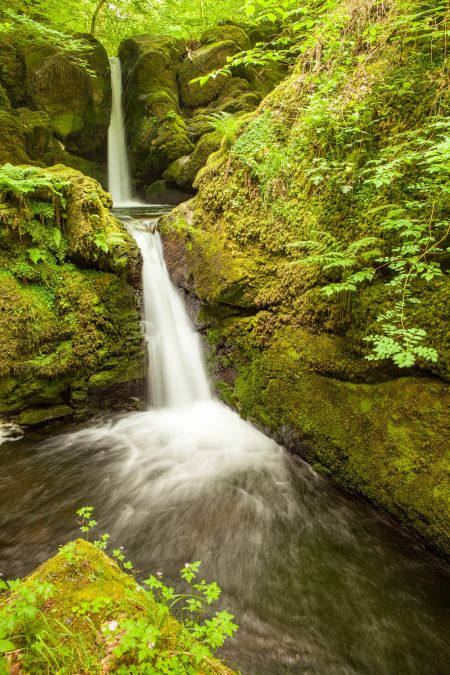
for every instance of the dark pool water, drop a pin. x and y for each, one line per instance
(320, 583)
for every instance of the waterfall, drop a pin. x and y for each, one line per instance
(119, 183)
(177, 373)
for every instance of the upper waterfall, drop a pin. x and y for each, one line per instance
(119, 183)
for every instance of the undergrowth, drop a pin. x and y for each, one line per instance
(152, 629)
(352, 158)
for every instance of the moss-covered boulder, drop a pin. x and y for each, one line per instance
(80, 117)
(79, 605)
(58, 112)
(225, 32)
(157, 132)
(184, 170)
(200, 62)
(303, 171)
(12, 138)
(69, 318)
(165, 192)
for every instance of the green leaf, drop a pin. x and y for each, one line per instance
(6, 646)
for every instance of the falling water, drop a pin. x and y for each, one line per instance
(119, 183)
(177, 373)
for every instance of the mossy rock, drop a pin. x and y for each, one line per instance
(12, 73)
(12, 139)
(225, 33)
(88, 591)
(204, 60)
(165, 192)
(81, 117)
(157, 132)
(5, 103)
(387, 441)
(68, 311)
(38, 130)
(208, 144)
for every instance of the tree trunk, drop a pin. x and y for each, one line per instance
(95, 15)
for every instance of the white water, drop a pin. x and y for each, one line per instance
(119, 183)
(177, 373)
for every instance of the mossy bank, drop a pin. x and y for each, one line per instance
(307, 168)
(69, 311)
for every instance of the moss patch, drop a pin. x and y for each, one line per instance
(68, 311)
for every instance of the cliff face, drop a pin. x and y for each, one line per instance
(69, 315)
(334, 156)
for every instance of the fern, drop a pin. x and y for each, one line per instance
(225, 123)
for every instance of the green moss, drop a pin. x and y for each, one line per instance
(224, 33)
(88, 591)
(31, 418)
(205, 59)
(62, 323)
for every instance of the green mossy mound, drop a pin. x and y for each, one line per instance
(156, 130)
(88, 593)
(287, 356)
(69, 316)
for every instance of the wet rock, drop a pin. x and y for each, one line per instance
(166, 192)
(69, 317)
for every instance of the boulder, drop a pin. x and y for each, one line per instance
(165, 192)
(184, 170)
(80, 117)
(69, 315)
(226, 32)
(157, 132)
(202, 61)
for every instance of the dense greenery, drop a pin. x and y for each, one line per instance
(116, 21)
(134, 628)
(413, 228)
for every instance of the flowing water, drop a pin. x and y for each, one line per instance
(119, 183)
(319, 582)
(177, 374)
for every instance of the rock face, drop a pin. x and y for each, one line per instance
(69, 315)
(54, 111)
(167, 114)
(286, 356)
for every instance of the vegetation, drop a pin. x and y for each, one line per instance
(413, 228)
(49, 623)
(113, 22)
(67, 309)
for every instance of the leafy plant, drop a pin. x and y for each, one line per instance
(153, 630)
(416, 231)
(106, 241)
